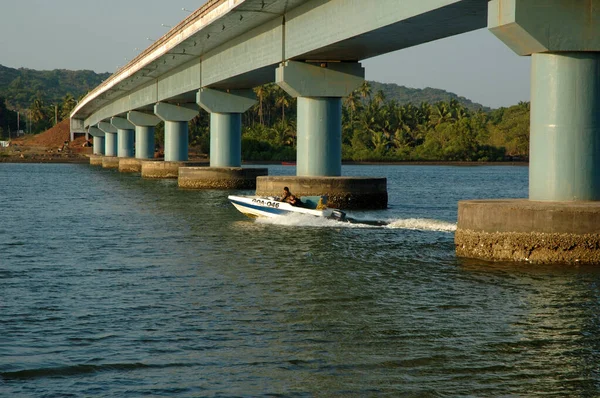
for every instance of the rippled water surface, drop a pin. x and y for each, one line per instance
(111, 285)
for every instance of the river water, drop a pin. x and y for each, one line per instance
(111, 285)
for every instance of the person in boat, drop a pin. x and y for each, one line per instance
(289, 197)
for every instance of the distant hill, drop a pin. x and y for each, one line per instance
(21, 86)
(404, 95)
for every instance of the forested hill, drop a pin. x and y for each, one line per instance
(20, 87)
(404, 95)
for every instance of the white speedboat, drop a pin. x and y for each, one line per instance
(259, 206)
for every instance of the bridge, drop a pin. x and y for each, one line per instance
(312, 49)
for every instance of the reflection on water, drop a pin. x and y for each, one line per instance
(111, 285)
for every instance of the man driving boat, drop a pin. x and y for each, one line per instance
(289, 197)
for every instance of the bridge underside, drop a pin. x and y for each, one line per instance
(252, 41)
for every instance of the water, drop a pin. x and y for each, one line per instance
(111, 285)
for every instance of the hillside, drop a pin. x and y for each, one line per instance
(21, 86)
(404, 95)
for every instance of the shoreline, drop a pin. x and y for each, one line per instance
(16, 159)
(85, 160)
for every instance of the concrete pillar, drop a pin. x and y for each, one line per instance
(319, 137)
(144, 133)
(225, 140)
(225, 110)
(176, 118)
(565, 127)
(110, 138)
(98, 146)
(225, 171)
(560, 223)
(125, 136)
(319, 88)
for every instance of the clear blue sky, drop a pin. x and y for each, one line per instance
(101, 35)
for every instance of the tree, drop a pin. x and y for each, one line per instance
(261, 93)
(283, 101)
(40, 115)
(68, 104)
(365, 90)
(351, 102)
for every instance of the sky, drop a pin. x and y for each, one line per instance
(102, 35)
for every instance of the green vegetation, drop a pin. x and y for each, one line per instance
(41, 96)
(377, 129)
(381, 122)
(8, 120)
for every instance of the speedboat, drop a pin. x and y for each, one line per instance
(270, 206)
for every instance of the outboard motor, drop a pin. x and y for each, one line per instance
(338, 215)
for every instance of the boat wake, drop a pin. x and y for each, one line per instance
(417, 224)
(423, 224)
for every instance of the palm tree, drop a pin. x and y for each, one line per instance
(442, 114)
(38, 111)
(282, 101)
(261, 94)
(379, 98)
(351, 103)
(365, 90)
(67, 106)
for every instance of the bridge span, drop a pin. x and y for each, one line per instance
(312, 49)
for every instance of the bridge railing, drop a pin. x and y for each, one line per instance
(194, 16)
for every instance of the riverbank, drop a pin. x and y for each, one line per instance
(51, 146)
(84, 158)
(66, 159)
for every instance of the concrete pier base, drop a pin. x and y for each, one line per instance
(130, 165)
(219, 177)
(531, 231)
(164, 169)
(352, 193)
(110, 162)
(96, 160)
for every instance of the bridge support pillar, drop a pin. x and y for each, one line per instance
(144, 140)
(560, 223)
(176, 118)
(144, 133)
(98, 146)
(125, 138)
(110, 145)
(225, 171)
(319, 88)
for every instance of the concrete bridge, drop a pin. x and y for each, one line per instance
(312, 49)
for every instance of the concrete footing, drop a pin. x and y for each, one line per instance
(219, 177)
(163, 169)
(110, 162)
(130, 165)
(96, 160)
(343, 192)
(523, 230)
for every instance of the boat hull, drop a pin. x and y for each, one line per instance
(256, 206)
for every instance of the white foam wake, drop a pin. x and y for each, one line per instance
(422, 224)
(303, 220)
